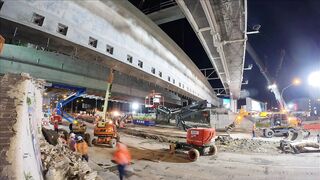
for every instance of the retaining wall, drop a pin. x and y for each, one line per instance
(20, 122)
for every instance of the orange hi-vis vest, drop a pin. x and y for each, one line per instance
(122, 155)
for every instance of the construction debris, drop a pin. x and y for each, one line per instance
(228, 144)
(299, 146)
(59, 162)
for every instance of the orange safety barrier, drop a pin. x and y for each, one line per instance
(313, 126)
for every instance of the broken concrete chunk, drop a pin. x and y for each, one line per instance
(61, 163)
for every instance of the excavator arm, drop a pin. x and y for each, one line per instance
(238, 120)
(188, 111)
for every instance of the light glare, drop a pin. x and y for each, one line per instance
(314, 79)
(135, 106)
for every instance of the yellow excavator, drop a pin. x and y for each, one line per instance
(238, 120)
(272, 124)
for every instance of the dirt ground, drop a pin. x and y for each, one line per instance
(152, 160)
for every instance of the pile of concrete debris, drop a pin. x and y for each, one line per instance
(228, 144)
(59, 162)
(302, 146)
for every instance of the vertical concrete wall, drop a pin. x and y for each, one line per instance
(20, 118)
(220, 121)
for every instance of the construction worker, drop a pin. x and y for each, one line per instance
(82, 148)
(72, 142)
(122, 157)
(56, 126)
(254, 130)
(70, 127)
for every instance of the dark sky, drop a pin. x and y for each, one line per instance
(290, 26)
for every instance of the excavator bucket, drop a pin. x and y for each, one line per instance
(297, 135)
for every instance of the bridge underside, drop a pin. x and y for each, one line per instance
(221, 28)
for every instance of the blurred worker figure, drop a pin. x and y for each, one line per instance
(72, 142)
(70, 127)
(122, 157)
(56, 126)
(254, 130)
(82, 148)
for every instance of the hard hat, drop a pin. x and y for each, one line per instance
(72, 135)
(79, 138)
(75, 122)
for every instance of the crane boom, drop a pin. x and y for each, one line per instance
(266, 75)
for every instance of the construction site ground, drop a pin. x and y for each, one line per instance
(240, 158)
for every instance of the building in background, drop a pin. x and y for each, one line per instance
(310, 106)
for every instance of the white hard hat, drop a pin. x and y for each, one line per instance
(79, 138)
(72, 135)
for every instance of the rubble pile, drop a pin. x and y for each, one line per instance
(296, 147)
(228, 144)
(61, 163)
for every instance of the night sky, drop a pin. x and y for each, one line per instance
(288, 27)
(292, 26)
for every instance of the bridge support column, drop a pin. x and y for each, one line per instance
(233, 105)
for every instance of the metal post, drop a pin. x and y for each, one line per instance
(14, 34)
(106, 99)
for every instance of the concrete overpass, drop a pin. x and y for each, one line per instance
(221, 27)
(77, 42)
